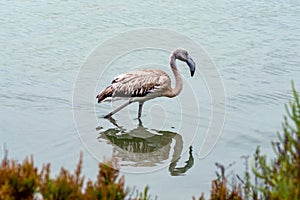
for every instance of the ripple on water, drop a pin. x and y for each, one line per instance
(264, 97)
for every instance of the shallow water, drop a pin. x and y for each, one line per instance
(255, 45)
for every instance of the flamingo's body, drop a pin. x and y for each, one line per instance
(142, 85)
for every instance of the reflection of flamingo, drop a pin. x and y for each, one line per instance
(142, 85)
(179, 171)
(142, 147)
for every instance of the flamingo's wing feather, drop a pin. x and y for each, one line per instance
(136, 84)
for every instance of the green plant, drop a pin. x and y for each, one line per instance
(65, 186)
(23, 181)
(221, 190)
(18, 181)
(107, 186)
(281, 178)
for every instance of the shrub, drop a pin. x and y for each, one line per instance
(65, 186)
(18, 181)
(107, 186)
(221, 190)
(23, 181)
(280, 179)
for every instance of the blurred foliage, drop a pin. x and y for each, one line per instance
(107, 186)
(278, 179)
(18, 181)
(24, 181)
(221, 189)
(64, 186)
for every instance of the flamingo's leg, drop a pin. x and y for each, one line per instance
(117, 109)
(140, 109)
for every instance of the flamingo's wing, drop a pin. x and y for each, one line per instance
(136, 84)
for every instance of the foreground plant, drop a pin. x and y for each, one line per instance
(276, 180)
(221, 189)
(18, 181)
(23, 181)
(280, 179)
(107, 186)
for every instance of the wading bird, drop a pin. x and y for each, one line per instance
(143, 85)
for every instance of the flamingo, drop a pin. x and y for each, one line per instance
(143, 85)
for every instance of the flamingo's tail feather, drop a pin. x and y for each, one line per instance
(106, 93)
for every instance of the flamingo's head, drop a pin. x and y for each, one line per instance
(183, 55)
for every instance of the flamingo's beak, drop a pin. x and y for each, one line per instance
(191, 65)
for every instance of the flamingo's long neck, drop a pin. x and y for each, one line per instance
(178, 80)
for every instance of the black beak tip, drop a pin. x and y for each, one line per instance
(192, 73)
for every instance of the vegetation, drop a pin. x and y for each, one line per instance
(278, 178)
(24, 181)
